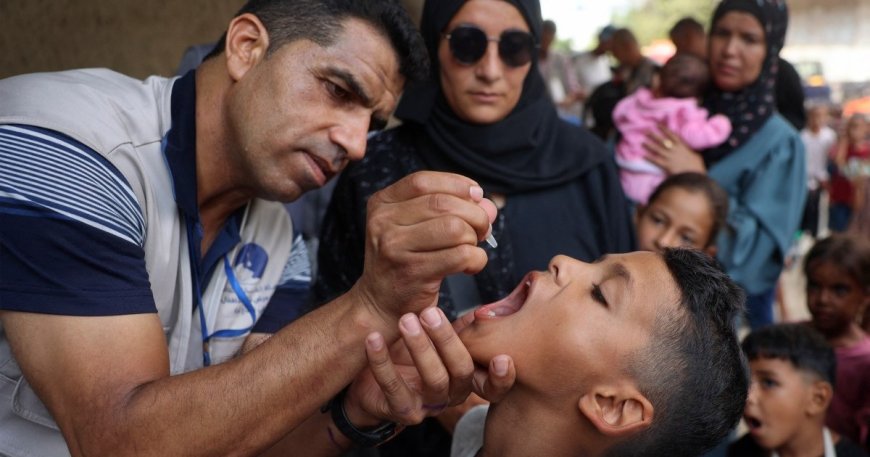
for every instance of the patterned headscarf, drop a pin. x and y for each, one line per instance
(749, 108)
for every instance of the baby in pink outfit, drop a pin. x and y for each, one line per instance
(674, 104)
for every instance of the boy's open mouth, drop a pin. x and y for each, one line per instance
(508, 305)
(752, 422)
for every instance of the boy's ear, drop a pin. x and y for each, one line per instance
(246, 44)
(821, 393)
(617, 411)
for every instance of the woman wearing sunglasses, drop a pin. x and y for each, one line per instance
(485, 114)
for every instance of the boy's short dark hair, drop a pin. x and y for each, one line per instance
(698, 182)
(321, 22)
(693, 372)
(798, 344)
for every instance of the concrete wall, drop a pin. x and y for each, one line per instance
(834, 33)
(136, 37)
(139, 38)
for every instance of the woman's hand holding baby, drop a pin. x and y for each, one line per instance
(667, 150)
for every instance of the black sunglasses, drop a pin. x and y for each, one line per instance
(468, 44)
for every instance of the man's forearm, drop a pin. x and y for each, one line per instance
(245, 405)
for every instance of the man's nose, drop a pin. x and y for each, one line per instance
(351, 135)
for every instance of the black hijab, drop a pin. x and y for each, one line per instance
(531, 148)
(750, 108)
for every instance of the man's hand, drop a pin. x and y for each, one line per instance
(419, 230)
(426, 371)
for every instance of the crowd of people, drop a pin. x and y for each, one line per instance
(549, 254)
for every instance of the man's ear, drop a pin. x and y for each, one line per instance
(820, 396)
(617, 411)
(246, 44)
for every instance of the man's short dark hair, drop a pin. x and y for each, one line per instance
(321, 22)
(693, 372)
(799, 344)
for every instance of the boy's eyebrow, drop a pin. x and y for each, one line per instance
(618, 270)
(615, 269)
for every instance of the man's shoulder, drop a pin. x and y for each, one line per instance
(98, 107)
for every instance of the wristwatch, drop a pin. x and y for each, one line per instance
(363, 438)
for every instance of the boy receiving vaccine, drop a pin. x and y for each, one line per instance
(793, 370)
(631, 355)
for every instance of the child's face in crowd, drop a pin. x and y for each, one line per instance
(677, 218)
(835, 298)
(577, 324)
(780, 399)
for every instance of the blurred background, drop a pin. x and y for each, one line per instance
(828, 42)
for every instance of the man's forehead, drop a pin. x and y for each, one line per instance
(367, 54)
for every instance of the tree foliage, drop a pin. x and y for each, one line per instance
(652, 19)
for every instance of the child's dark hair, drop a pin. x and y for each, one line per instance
(798, 344)
(848, 252)
(693, 371)
(683, 76)
(698, 182)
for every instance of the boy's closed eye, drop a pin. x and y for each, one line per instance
(598, 296)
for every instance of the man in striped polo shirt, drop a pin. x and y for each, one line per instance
(145, 257)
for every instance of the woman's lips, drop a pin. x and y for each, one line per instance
(508, 305)
(485, 97)
(727, 70)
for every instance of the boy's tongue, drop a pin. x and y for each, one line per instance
(506, 306)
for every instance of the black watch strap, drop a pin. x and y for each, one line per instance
(363, 438)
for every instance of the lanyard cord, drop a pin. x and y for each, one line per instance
(226, 333)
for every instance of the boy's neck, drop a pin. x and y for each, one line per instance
(808, 442)
(520, 426)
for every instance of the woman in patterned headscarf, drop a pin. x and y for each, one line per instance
(762, 164)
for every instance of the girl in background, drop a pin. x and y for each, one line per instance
(685, 210)
(838, 292)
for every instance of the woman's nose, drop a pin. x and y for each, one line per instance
(489, 68)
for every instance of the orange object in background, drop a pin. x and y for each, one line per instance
(858, 105)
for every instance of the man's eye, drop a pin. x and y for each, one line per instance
(338, 92)
(597, 295)
(687, 240)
